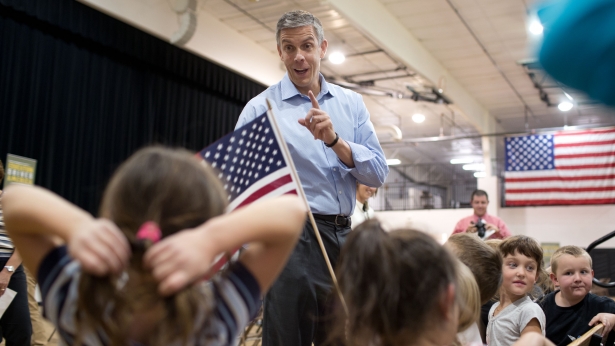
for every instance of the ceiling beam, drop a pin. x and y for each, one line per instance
(374, 20)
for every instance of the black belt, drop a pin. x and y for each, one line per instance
(338, 220)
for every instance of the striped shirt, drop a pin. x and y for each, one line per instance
(6, 245)
(237, 301)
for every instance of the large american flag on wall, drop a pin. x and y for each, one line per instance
(563, 168)
(251, 163)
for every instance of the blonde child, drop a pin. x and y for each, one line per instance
(516, 314)
(110, 281)
(469, 308)
(572, 310)
(400, 288)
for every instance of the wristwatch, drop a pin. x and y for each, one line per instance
(10, 269)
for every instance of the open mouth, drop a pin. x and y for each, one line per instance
(301, 72)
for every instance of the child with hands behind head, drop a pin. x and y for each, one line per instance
(516, 314)
(109, 281)
(573, 310)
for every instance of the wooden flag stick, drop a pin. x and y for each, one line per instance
(290, 162)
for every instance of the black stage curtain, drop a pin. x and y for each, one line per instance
(81, 91)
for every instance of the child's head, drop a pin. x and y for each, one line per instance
(167, 186)
(398, 286)
(469, 297)
(522, 259)
(174, 190)
(484, 262)
(571, 269)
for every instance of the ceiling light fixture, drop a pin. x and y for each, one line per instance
(568, 96)
(480, 174)
(461, 161)
(536, 28)
(418, 118)
(474, 167)
(393, 162)
(337, 58)
(564, 106)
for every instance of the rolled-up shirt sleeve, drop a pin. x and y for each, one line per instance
(370, 167)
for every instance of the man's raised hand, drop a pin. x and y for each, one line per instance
(318, 122)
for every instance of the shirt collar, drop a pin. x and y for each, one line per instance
(290, 90)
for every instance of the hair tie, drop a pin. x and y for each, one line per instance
(149, 231)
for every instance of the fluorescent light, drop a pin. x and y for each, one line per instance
(337, 58)
(393, 162)
(568, 96)
(461, 161)
(418, 118)
(480, 174)
(536, 28)
(474, 167)
(565, 106)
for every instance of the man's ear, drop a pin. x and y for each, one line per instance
(323, 48)
(280, 52)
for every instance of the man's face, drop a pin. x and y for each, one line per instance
(301, 54)
(480, 203)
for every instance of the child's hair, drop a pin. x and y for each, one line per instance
(173, 189)
(484, 262)
(524, 245)
(1, 171)
(469, 297)
(568, 250)
(392, 283)
(494, 244)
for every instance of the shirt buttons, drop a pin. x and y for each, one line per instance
(335, 169)
(340, 192)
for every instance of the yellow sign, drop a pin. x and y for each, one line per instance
(21, 170)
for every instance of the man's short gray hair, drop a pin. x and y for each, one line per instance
(299, 18)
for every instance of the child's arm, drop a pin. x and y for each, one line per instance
(270, 227)
(608, 320)
(532, 326)
(38, 220)
(533, 339)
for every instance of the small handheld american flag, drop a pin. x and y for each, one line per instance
(251, 163)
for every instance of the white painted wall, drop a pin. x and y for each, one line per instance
(567, 225)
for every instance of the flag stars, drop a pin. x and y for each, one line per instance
(279, 163)
(270, 141)
(207, 154)
(267, 130)
(243, 133)
(267, 169)
(220, 146)
(232, 140)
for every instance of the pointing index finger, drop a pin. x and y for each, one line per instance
(313, 99)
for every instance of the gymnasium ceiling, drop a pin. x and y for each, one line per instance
(471, 50)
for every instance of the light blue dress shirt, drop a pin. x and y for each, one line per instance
(329, 185)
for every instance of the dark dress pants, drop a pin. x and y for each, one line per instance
(298, 307)
(15, 324)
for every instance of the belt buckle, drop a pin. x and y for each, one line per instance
(339, 224)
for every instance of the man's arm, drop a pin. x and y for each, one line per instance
(361, 156)
(5, 275)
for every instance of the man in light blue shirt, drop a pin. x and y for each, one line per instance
(333, 144)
